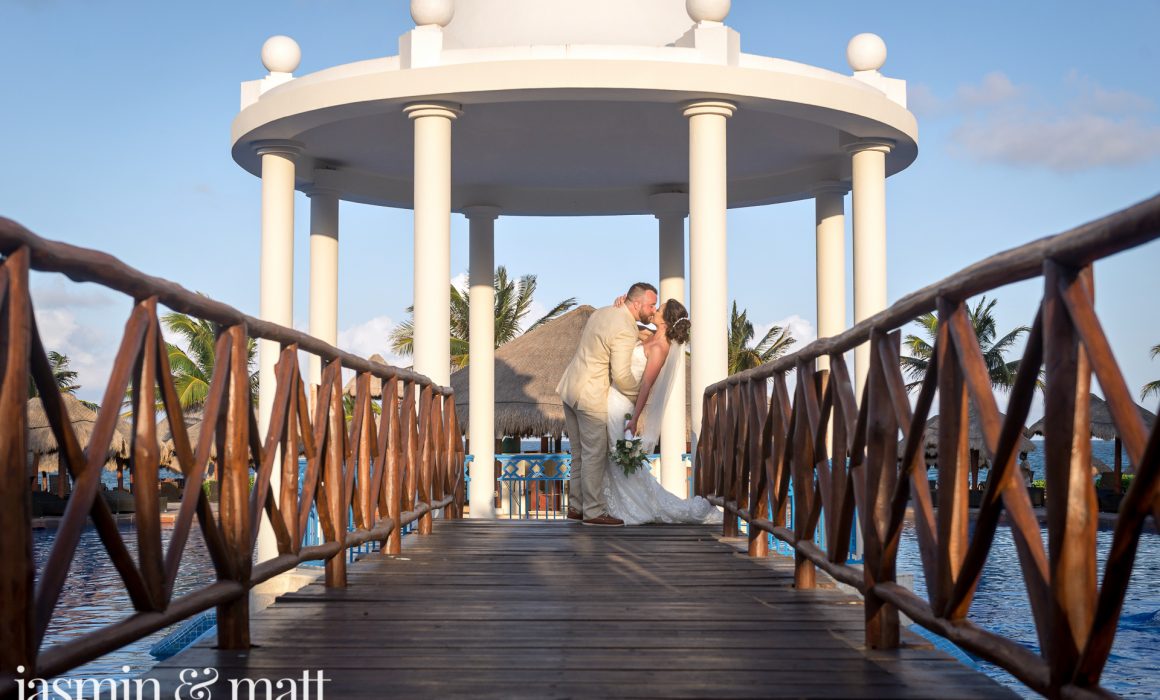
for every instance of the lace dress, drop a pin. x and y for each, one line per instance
(639, 498)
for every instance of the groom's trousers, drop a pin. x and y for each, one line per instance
(588, 438)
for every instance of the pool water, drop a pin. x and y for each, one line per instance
(1001, 606)
(94, 596)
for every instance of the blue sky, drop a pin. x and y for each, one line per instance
(1033, 117)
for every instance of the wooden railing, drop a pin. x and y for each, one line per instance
(385, 476)
(842, 457)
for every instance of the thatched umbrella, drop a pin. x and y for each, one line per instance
(527, 371)
(41, 441)
(193, 426)
(376, 383)
(1102, 427)
(975, 442)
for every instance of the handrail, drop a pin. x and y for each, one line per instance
(88, 265)
(1077, 247)
(383, 475)
(753, 444)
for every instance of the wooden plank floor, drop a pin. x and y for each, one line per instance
(558, 610)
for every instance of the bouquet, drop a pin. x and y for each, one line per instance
(630, 454)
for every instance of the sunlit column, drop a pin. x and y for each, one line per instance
(869, 210)
(670, 209)
(323, 271)
(276, 302)
(481, 367)
(432, 341)
(707, 269)
(830, 219)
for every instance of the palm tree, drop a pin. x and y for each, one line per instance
(513, 301)
(193, 368)
(64, 377)
(1151, 387)
(982, 318)
(742, 355)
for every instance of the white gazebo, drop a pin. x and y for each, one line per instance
(571, 107)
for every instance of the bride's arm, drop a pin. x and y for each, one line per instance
(652, 369)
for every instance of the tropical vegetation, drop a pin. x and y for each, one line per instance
(513, 302)
(743, 354)
(995, 348)
(1152, 387)
(192, 366)
(65, 377)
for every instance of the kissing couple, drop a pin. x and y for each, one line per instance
(618, 371)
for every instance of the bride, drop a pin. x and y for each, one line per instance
(639, 498)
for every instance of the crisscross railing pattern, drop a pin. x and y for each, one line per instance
(384, 474)
(841, 456)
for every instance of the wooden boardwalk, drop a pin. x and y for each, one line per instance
(558, 610)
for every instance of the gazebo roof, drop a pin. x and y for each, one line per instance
(573, 108)
(527, 371)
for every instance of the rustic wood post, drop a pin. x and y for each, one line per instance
(393, 481)
(334, 483)
(1071, 497)
(17, 601)
(233, 618)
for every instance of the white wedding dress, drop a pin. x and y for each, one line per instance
(639, 498)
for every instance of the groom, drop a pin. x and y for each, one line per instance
(603, 358)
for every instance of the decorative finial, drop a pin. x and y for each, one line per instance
(280, 54)
(437, 12)
(866, 52)
(707, 10)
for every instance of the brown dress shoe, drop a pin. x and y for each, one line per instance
(605, 520)
(574, 514)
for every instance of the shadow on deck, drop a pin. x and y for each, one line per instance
(560, 610)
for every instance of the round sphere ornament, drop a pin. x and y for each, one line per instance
(437, 12)
(866, 52)
(280, 54)
(707, 10)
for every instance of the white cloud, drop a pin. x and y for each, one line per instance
(536, 311)
(460, 281)
(1087, 126)
(371, 337)
(88, 348)
(994, 89)
(52, 292)
(801, 329)
(1066, 143)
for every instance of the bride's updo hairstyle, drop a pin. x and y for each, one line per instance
(677, 319)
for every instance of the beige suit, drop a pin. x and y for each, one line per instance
(603, 359)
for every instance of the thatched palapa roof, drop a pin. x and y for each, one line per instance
(974, 438)
(376, 383)
(527, 371)
(1102, 427)
(39, 438)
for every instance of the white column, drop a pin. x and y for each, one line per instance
(433, 238)
(707, 269)
(869, 210)
(481, 368)
(323, 271)
(830, 256)
(276, 303)
(670, 209)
